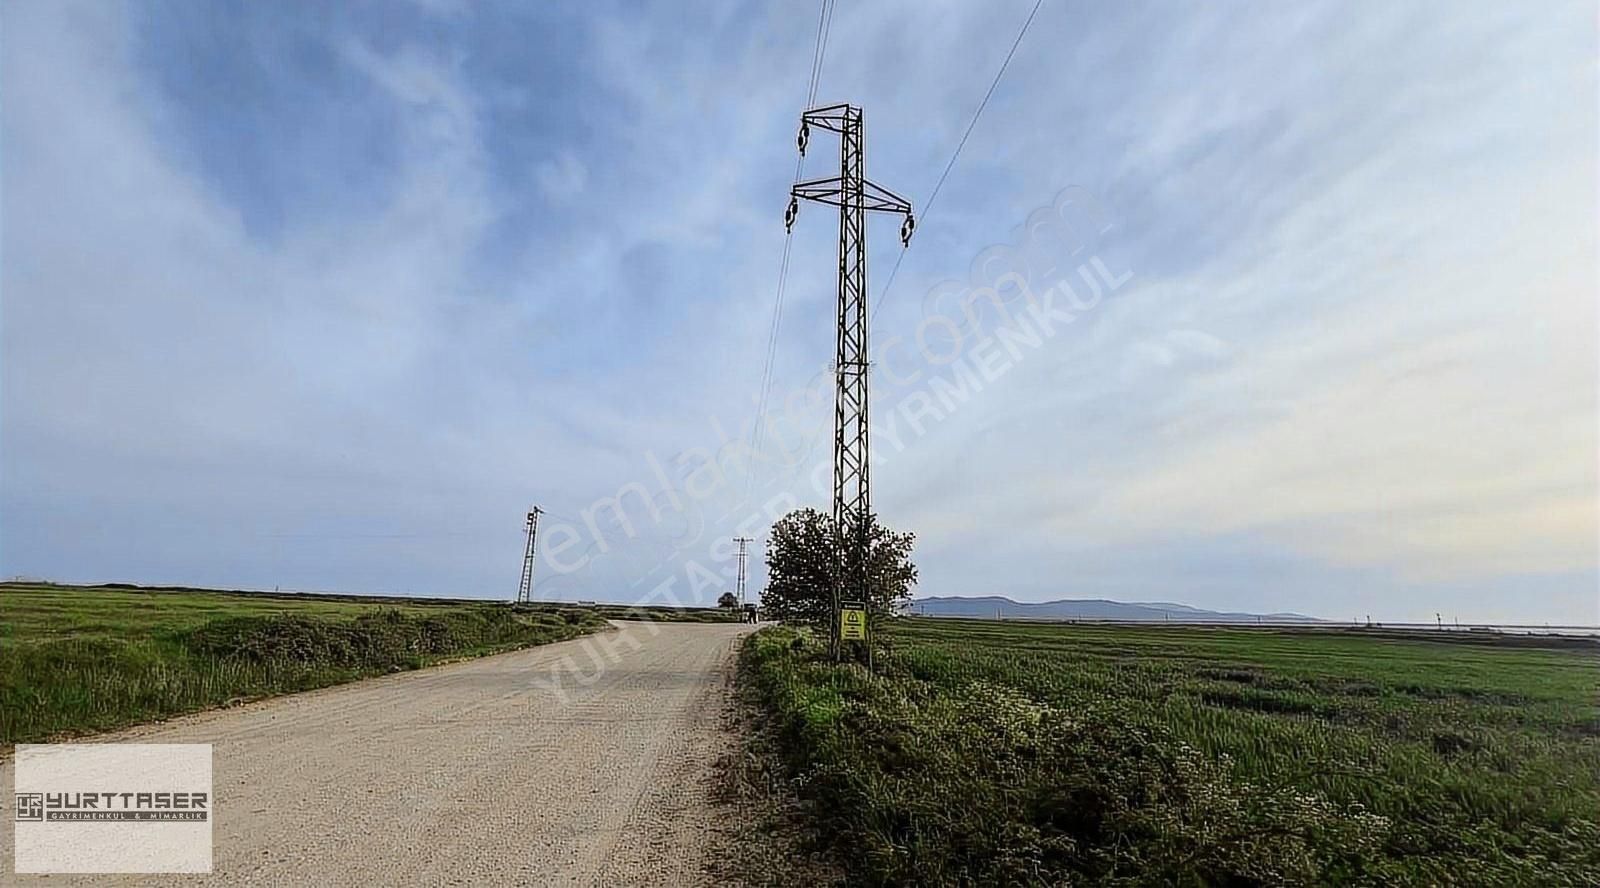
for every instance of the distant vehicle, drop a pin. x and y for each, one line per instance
(751, 614)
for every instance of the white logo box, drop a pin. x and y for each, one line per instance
(112, 808)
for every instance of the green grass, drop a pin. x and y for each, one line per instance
(1015, 753)
(75, 660)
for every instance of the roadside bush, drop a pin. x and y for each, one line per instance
(378, 639)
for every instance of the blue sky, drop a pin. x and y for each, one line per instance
(325, 296)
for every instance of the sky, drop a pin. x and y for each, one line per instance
(1251, 306)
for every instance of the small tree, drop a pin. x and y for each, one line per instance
(801, 563)
(728, 599)
(800, 568)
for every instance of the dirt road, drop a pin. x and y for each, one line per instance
(590, 762)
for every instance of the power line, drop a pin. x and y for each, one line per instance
(890, 282)
(927, 205)
(560, 516)
(822, 49)
(819, 52)
(772, 351)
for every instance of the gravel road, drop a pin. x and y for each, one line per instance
(589, 762)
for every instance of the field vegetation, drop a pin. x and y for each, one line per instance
(666, 613)
(79, 659)
(1015, 753)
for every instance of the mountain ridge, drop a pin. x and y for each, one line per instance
(1089, 609)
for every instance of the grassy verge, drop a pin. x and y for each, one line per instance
(779, 846)
(75, 660)
(1026, 754)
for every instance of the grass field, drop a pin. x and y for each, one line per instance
(1016, 753)
(80, 659)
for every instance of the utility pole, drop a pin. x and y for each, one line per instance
(854, 196)
(525, 590)
(742, 542)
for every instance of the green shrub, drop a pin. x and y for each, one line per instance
(378, 639)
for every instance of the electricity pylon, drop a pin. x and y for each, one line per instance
(854, 196)
(742, 542)
(525, 590)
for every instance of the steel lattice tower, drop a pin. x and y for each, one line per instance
(742, 543)
(854, 196)
(525, 589)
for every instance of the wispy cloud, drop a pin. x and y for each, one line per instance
(328, 302)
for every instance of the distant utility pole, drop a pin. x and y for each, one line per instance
(742, 542)
(525, 589)
(854, 196)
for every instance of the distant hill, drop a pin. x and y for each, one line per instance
(991, 606)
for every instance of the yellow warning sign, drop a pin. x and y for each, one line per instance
(853, 624)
